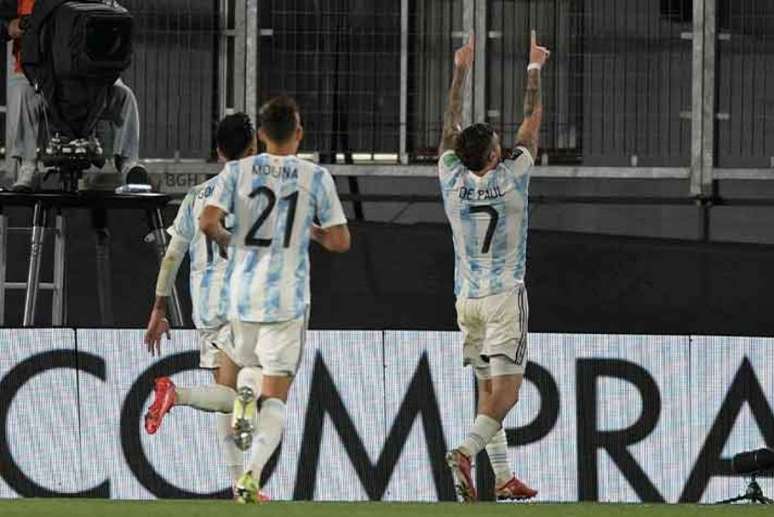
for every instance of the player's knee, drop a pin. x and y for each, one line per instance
(250, 377)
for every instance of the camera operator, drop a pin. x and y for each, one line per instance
(25, 111)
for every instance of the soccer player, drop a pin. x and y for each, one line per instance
(279, 202)
(485, 199)
(209, 296)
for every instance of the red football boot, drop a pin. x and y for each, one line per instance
(514, 489)
(461, 467)
(166, 397)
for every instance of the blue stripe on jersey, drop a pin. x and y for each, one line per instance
(522, 184)
(250, 262)
(204, 295)
(445, 188)
(303, 264)
(277, 257)
(521, 261)
(499, 243)
(471, 242)
(224, 304)
(243, 289)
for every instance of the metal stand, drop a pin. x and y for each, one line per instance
(33, 273)
(104, 286)
(33, 285)
(42, 203)
(3, 248)
(753, 494)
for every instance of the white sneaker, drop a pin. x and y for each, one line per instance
(132, 172)
(26, 180)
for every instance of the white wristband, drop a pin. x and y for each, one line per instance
(534, 66)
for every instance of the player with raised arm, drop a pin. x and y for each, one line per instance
(209, 297)
(275, 199)
(485, 199)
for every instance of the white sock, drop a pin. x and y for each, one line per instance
(251, 377)
(484, 428)
(232, 456)
(213, 398)
(271, 424)
(497, 449)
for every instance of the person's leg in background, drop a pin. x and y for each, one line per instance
(23, 116)
(123, 115)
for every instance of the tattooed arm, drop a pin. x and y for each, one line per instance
(452, 120)
(533, 99)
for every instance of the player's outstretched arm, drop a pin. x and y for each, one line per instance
(452, 119)
(158, 325)
(211, 224)
(335, 239)
(533, 98)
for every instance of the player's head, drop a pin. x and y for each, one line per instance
(478, 147)
(236, 137)
(280, 123)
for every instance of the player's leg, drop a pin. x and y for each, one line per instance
(472, 328)
(507, 485)
(505, 345)
(497, 448)
(213, 398)
(123, 114)
(279, 349)
(25, 111)
(226, 375)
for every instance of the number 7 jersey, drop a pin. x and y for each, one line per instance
(274, 201)
(488, 217)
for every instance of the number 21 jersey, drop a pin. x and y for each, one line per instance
(488, 217)
(274, 201)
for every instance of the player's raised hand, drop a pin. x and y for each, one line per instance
(157, 326)
(465, 55)
(537, 54)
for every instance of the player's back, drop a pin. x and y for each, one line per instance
(488, 217)
(209, 271)
(274, 200)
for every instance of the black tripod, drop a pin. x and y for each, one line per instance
(753, 494)
(70, 158)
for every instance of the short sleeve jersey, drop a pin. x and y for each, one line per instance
(274, 201)
(488, 217)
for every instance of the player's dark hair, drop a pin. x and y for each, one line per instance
(278, 119)
(474, 145)
(234, 135)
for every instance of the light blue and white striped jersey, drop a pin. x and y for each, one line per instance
(488, 217)
(274, 200)
(209, 272)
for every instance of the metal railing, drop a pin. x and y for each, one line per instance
(635, 88)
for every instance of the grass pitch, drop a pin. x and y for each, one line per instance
(86, 507)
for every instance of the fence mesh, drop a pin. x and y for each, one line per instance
(617, 90)
(617, 82)
(745, 86)
(174, 75)
(341, 61)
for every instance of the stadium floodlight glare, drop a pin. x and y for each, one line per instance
(752, 463)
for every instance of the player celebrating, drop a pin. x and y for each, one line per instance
(209, 297)
(275, 198)
(485, 198)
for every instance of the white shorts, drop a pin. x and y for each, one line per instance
(275, 347)
(212, 342)
(494, 326)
